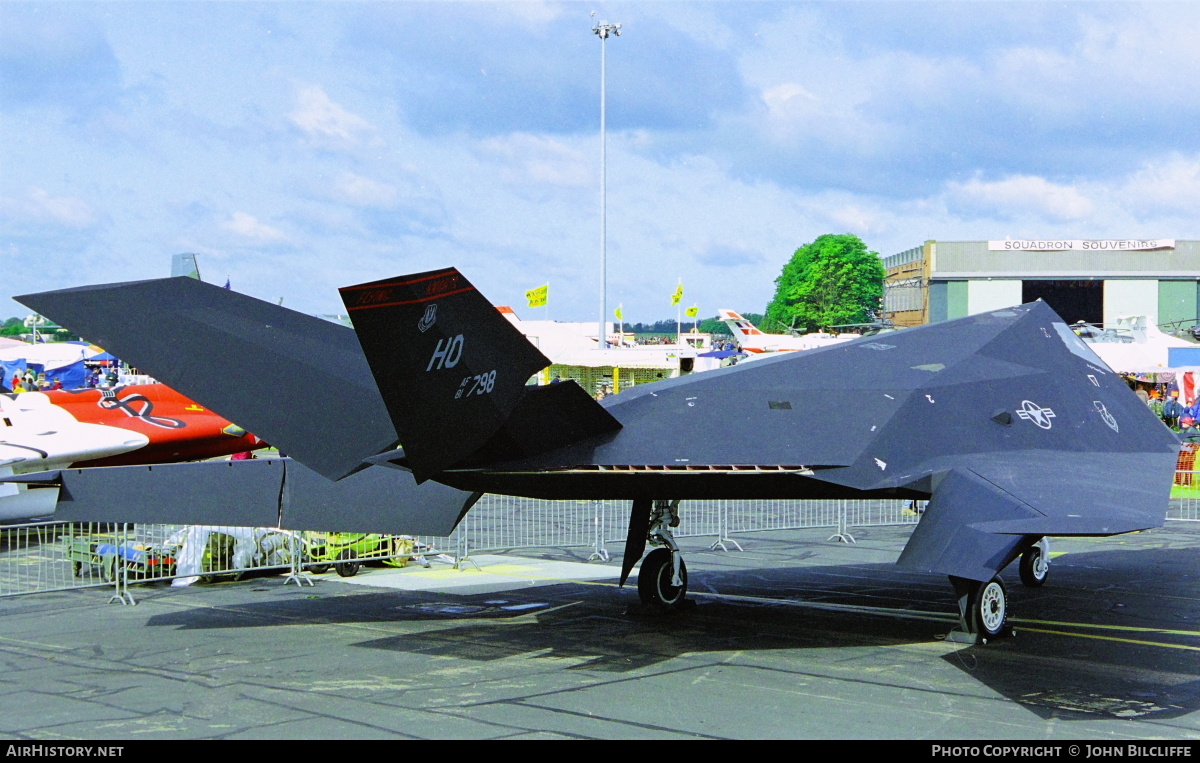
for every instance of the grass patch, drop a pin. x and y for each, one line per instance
(1187, 491)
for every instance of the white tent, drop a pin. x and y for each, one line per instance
(53, 355)
(1145, 354)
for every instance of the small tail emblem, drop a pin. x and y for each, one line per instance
(1108, 417)
(428, 319)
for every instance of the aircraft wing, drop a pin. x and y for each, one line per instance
(983, 512)
(253, 493)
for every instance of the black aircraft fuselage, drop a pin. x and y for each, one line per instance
(1010, 426)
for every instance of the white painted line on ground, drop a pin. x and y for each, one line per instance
(495, 572)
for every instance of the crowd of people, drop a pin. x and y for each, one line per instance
(34, 382)
(1175, 413)
(31, 383)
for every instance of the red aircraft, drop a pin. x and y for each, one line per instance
(179, 429)
(138, 424)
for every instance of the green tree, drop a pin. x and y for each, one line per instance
(834, 280)
(12, 327)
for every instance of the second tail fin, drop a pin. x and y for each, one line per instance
(450, 368)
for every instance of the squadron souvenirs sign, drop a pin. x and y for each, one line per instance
(1082, 245)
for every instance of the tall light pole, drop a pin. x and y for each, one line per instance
(603, 30)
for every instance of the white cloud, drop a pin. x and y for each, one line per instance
(320, 117)
(541, 161)
(776, 97)
(856, 218)
(533, 12)
(248, 226)
(1022, 194)
(361, 191)
(1169, 185)
(40, 208)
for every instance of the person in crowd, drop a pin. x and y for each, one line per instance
(1185, 469)
(1172, 410)
(1143, 395)
(18, 384)
(1190, 412)
(1156, 403)
(1189, 426)
(56, 384)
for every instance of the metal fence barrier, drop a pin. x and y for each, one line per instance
(55, 556)
(508, 523)
(1185, 493)
(60, 556)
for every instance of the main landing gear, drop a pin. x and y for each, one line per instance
(982, 609)
(983, 605)
(662, 577)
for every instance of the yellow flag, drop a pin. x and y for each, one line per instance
(692, 311)
(678, 295)
(537, 297)
(620, 315)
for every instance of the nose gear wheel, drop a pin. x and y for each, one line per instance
(655, 586)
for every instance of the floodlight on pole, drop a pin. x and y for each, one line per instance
(603, 30)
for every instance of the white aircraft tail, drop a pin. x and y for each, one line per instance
(745, 334)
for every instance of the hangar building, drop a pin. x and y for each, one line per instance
(1094, 280)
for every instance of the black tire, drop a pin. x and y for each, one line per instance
(1035, 567)
(77, 568)
(345, 566)
(654, 580)
(318, 569)
(989, 608)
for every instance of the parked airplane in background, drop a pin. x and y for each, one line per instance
(1135, 345)
(143, 424)
(750, 339)
(1005, 422)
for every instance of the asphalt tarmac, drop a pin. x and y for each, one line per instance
(794, 637)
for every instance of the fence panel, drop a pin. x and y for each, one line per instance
(883, 512)
(1185, 492)
(37, 557)
(61, 556)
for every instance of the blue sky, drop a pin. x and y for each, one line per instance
(298, 147)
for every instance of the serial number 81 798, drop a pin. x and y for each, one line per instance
(481, 384)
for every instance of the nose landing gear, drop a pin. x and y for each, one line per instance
(662, 577)
(1035, 564)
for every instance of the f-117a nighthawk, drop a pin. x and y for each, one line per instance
(1005, 422)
